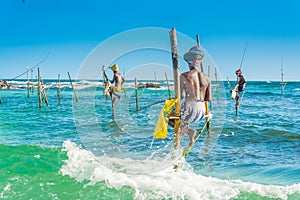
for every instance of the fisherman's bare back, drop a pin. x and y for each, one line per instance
(195, 85)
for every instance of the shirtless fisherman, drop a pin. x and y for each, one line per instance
(195, 88)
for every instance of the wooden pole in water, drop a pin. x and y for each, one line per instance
(206, 102)
(44, 92)
(208, 73)
(58, 89)
(112, 105)
(207, 119)
(28, 86)
(236, 99)
(236, 107)
(124, 85)
(282, 82)
(176, 73)
(198, 44)
(155, 84)
(45, 97)
(136, 95)
(217, 84)
(75, 94)
(31, 79)
(39, 88)
(169, 90)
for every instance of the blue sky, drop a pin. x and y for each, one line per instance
(70, 30)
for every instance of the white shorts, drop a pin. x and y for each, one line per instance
(192, 111)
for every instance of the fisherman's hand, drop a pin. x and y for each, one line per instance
(208, 116)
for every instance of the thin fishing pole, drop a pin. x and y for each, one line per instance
(243, 56)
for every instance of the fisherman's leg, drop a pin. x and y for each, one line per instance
(191, 134)
(113, 98)
(237, 96)
(183, 129)
(237, 99)
(119, 96)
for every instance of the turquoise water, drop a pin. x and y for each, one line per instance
(76, 151)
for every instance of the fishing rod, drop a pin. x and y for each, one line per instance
(29, 69)
(243, 56)
(240, 67)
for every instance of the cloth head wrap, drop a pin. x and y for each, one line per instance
(238, 72)
(192, 54)
(114, 67)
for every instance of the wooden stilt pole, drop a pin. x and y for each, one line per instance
(136, 95)
(282, 83)
(198, 44)
(207, 119)
(58, 89)
(236, 107)
(28, 83)
(206, 102)
(176, 73)
(169, 90)
(31, 79)
(45, 97)
(217, 84)
(75, 94)
(44, 92)
(237, 99)
(156, 85)
(124, 85)
(39, 88)
(113, 105)
(208, 73)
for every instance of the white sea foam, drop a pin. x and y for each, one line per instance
(163, 183)
(5, 190)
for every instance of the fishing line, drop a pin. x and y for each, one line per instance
(29, 69)
(243, 56)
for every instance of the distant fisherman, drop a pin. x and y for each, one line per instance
(195, 88)
(240, 86)
(119, 80)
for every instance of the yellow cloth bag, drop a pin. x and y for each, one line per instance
(161, 129)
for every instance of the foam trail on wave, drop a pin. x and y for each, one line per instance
(163, 183)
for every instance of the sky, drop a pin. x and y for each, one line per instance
(60, 36)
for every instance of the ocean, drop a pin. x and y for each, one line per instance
(75, 150)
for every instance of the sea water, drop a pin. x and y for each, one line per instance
(76, 150)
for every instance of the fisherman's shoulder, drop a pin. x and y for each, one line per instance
(185, 74)
(203, 75)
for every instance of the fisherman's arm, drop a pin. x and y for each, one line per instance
(182, 92)
(208, 96)
(114, 79)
